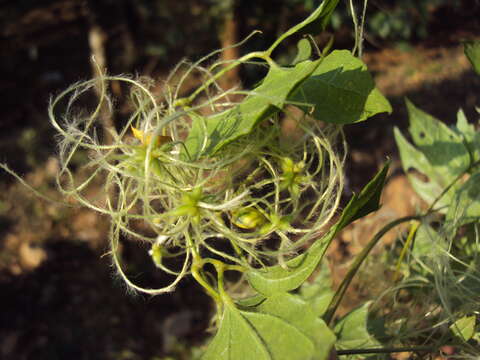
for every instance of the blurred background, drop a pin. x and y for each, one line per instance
(59, 296)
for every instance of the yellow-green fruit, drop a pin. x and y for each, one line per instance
(156, 253)
(248, 219)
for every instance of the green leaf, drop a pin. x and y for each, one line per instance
(413, 159)
(440, 156)
(299, 313)
(263, 336)
(304, 51)
(352, 330)
(251, 301)
(367, 201)
(476, 336)
(427, 239)
(319, 293)
(209, 134)
(465, 207)
(471, 137)
(442, 146)
(472, 51)
(341, 91)
(276, 279)
(464, 328)
(233, 337)
(468, 130)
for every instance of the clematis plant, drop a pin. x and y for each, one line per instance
(214, 183)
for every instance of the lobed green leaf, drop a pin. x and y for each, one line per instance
(442, 146)
(233, 337)
(465, 207)
(280, 328)
(299, 313)
(441, 154)
(471, 137)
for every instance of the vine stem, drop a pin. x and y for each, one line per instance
(337, 298)
(196, 273)
(196, 268)
(385, 350)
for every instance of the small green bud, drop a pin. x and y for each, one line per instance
(291, 178)
(189, 205)
(156, 252)
(248, 219)
(290, 167)
(276, 222)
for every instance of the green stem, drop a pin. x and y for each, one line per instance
(295, 29)
(197, 265)
(220, 268)
(411, 235)
(220, 296)
(386, 350)
(196, 273)
(355, 25)
(337, 298)
(361, 31)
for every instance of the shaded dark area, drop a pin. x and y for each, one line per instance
(70, 306)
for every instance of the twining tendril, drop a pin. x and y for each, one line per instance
(267, 194)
